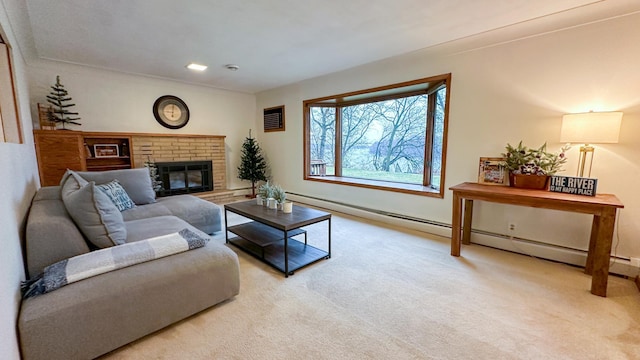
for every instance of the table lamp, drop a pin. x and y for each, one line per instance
(590, 128)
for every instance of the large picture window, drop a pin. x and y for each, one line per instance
(391, 138)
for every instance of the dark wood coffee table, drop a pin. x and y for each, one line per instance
(270, 236)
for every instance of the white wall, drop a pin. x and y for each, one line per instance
(19, 183)
(111, 101)
(500, 94)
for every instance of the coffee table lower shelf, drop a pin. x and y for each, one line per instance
(270, 248)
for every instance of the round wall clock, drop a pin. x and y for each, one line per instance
(171, 112)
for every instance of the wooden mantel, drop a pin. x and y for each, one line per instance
(154, 134)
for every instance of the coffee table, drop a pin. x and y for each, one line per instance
(270, 236)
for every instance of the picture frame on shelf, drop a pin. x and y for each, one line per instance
(106, 150)
(493, 171)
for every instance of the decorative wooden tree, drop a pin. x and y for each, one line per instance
(156, 183)
(59, 98)
(253, 166)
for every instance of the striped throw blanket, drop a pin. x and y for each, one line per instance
(101, 261)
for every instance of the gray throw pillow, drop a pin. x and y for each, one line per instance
(96, 215)
(71, 182)
(65, 176)
(136, 182)
(118, 196)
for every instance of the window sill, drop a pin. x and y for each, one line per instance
(379, 185)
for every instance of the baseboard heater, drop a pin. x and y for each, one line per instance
(564, 254)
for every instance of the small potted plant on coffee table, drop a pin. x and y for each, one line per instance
(280, 195)
(265, 192)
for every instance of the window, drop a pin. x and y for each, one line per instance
(391, 138)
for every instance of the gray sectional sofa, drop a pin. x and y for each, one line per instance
(91, 317)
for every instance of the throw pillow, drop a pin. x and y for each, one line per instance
(136, 182)
(116, 193)
(96, 215)
(71, 182)
(65, 176)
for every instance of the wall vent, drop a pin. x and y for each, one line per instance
(274, 119)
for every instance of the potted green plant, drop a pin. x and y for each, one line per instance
(265, 192)
(531, 167)
(279, 194)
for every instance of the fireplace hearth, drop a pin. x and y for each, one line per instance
(184, 177)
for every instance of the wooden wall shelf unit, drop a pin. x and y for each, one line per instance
(118, 159)
(58, 150)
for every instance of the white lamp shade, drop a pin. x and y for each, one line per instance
(591, 127)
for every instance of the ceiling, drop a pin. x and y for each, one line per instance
(275, 42)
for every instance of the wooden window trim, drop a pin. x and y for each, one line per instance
(436, 83)
(14, 122)
(428, 141)
(413, 189)
(338, 147)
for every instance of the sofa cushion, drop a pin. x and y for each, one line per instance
(96, 215)
(51, 234)
(156, 226)
(117, 194)
(136, 182)
(48, 193)
(200, 213)
(146, 211)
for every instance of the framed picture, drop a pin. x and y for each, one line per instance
(493, 171)
(106, 150)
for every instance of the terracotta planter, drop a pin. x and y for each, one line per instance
(538, 182)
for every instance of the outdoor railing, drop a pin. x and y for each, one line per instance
(318, 168)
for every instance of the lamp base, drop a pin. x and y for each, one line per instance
(585, 151)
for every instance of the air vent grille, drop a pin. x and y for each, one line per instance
(274, 119)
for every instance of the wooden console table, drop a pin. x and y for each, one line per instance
(603, 207)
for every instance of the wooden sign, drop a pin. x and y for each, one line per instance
(574, 185)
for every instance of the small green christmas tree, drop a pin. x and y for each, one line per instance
(59, 98)
(253, 166)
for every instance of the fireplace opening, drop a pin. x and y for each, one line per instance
(185, 177)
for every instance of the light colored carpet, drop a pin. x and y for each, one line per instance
(389, 293)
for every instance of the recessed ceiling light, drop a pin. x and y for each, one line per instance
(232, 67)
(196, 67)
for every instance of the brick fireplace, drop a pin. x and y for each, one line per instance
(183, 148)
